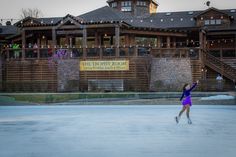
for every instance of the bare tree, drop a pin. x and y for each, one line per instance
(35, 12)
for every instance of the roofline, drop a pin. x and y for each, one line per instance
(154, 1)
(211, 8)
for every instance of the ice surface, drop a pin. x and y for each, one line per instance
(116, 131)
(218, 97)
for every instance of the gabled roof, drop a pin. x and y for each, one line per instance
(183, 19)
(104, 14)
(8, 30)
(160, 20)
(38, 21)
(211, 9)
(51, 21)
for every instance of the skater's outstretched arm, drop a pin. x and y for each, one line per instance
(194, 85)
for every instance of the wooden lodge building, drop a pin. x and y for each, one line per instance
(125, 46)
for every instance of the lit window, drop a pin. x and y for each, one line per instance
(126, 9)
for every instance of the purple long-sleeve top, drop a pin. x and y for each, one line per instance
(187, 93)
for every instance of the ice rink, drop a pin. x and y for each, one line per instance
(116, 131)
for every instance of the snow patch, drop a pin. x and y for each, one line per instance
(218, 97)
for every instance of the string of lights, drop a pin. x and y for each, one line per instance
(162, 45)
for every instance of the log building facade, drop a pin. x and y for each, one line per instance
(125, 46)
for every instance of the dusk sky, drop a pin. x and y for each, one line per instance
(54, 8)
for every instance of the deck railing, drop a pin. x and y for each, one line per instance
(99, 52)
(219, 66)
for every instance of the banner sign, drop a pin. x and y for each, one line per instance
(114, 65)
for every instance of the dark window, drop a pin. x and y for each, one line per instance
(213, 22)
(141, 3)
(218, 21)
(207, 22)
(114, 5)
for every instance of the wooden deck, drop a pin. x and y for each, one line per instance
(35, 73)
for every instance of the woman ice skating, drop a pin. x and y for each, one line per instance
(186, 102)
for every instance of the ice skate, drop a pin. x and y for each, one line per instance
(189, 121)
(177, 119)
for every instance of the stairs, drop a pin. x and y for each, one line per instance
(231, 62)
(219, 66)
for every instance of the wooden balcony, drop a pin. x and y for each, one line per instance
(98, 53)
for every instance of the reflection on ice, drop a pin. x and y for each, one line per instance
(116, 131)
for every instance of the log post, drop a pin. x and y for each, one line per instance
(23, 43)
(84, 42)
(117, 44)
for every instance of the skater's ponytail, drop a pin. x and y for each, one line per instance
(185, 86)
